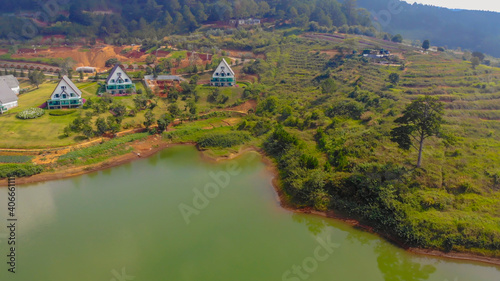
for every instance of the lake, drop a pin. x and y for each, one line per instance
(174, 216)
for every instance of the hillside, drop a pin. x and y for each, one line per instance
(324, 114)
(333, 145)
(473, 30)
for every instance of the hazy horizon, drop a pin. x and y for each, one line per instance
(485, 5)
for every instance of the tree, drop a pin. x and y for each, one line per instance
(150, 59)
(141, 102)
(478, 55)
(163, 122)
(475, 62)
(150, 118)
(397, 38)
(36, 78)
(394, 78)
(87, 131)
(426, 45)
(81, 75)
(421, 119)
(112, 62)
(328, 86)
(101, 125)
(174, 109)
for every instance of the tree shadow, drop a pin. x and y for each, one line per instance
(396, 266)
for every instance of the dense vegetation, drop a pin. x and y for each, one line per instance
(19, 170)
(328, 124)
(125, 21)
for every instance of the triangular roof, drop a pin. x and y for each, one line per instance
(70, 84)
(10, 80)
(225, 64)
(115, 69)
(6, 93)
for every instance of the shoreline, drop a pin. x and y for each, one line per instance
(281, 197)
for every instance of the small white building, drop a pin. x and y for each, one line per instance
(65, 95)
(86, 69)
(12, 82)
(223, 76)
(8, 98)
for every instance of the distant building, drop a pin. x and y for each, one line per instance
(86, 69)
(376, 54)
(119, 82)
(11, 82)
(223, 76)
(244, 22)
(8, 98)
(65, 95)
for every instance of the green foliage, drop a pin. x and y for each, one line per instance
(106, 148)
(223, 139)
(426, 45)
(56, 112)
(394, 78)
(346, 108)
(19, 170)
(421, 119)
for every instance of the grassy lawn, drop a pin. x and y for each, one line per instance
(47, 130)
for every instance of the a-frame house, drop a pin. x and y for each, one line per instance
(118, 82)
(65, 95)
(223, 76)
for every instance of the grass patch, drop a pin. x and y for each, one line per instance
(98, 153)
(15, 158)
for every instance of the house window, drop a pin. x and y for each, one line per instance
(222, 84)
(228, 74)
(112, 80)
(217, 74)
(64, 96)
(56, 96)
(126, 80)
(72, 95)
(63, 88)
(222, 74)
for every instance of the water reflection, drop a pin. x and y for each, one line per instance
(314, 225)
(396, 266)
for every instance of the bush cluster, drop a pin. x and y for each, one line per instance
(61, 112)
(31, 113)
(223, 140)
(19, 170)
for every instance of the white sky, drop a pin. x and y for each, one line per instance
(486, 5)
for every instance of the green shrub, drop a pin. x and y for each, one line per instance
(31, 113)
(61, 112)
(19, 170)
(223, 140)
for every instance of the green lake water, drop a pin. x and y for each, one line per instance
(126, 223)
